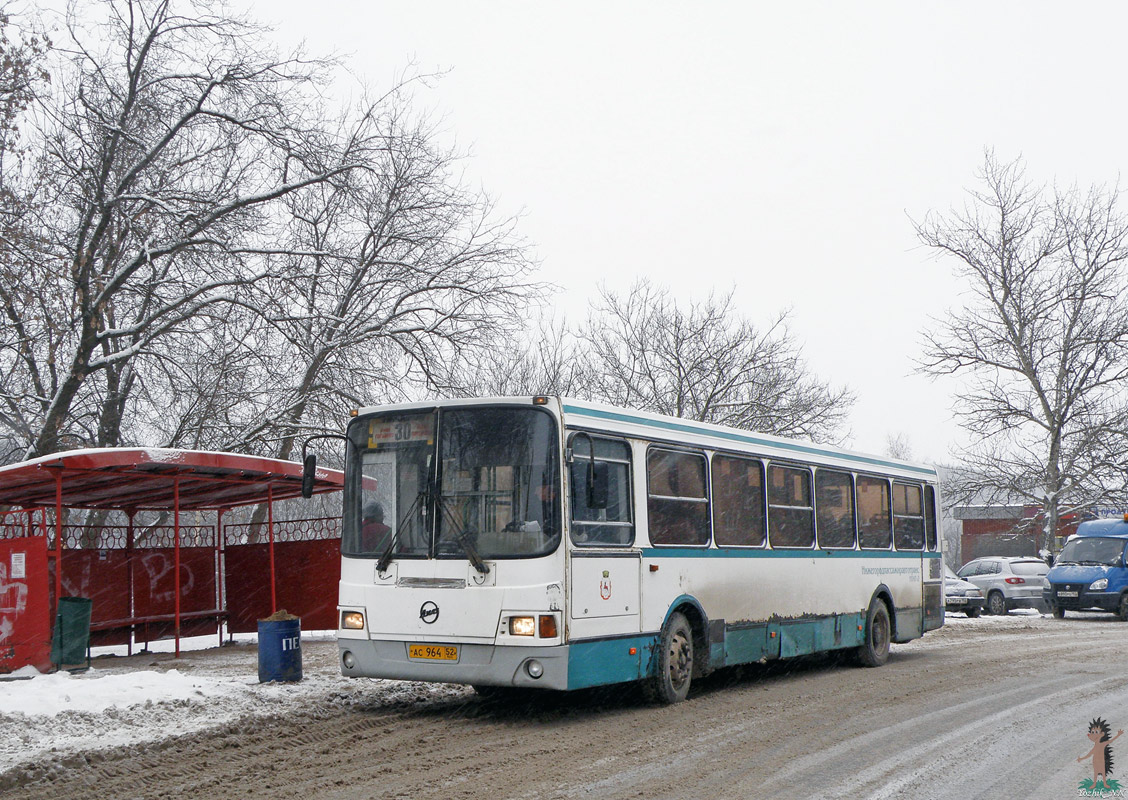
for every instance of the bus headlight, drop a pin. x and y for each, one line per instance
(352, 620)
(1098, 585)
(522, 626)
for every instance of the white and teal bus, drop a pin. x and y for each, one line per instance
(549, 542)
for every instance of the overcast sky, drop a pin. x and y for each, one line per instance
(781, 149)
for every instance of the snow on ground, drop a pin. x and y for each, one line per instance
(146, 697)
(94, 692)
(125, 700)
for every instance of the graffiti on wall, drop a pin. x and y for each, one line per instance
(13, 594)
(25, 629)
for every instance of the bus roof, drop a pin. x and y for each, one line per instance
(705, 433)
(644, 424)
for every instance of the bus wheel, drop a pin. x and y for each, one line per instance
(875, 651)
(675, 662)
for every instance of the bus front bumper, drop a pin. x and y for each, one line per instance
(1080, 599)
(475, 664)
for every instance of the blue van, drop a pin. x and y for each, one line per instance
(1090, 573)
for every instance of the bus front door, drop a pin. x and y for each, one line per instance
(604, 617)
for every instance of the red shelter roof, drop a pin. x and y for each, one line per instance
(148, 479)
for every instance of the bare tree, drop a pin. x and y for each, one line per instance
(899, 446)
(394, 274)
(547, 358)
(23, 79)
(205, 383)
(171, 141)
(238, 263)
(1042, 343)
(703, 361)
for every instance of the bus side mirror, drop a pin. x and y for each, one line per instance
(598, 484)
(309, 468)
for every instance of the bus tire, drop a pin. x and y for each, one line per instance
(670, 684)
(875, 650)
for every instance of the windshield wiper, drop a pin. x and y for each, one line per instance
(386, 557)
(463, 539)
(471, 553)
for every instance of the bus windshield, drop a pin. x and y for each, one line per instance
(470, 483)
(1092, 550)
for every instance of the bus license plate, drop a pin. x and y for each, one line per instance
(433, 652)
(1067, 594)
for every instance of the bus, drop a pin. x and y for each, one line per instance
(562, 544)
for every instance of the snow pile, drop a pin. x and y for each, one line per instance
(95, 692)
(62, 713)
(149, 697)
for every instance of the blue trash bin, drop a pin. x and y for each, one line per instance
(280, 649)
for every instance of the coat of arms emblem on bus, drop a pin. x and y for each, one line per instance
(605, 586)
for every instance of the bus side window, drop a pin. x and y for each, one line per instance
(875, 530)
(908, 517)
(930, 516)
(834, 506)
(677, 505)
(791, 513)
(611, 524)
(738, 501)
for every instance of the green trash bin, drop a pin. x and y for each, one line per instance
(70, 643)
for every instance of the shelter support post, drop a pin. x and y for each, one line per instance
(58, 540)
(270, 534)
(176, 558)
(220, 598)
(129, 544)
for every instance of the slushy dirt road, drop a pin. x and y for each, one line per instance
(996, 707)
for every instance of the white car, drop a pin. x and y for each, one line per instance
(961, 595)
(1008, 581)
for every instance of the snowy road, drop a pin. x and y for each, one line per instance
(995, 707)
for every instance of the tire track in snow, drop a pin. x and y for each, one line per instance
(975, 757)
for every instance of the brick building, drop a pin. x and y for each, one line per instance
(1002, 530)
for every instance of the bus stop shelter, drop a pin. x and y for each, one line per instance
(166, 581)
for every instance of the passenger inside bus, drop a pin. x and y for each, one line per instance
(373, 531)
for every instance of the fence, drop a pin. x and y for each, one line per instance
(307, 568)
(226, 579)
